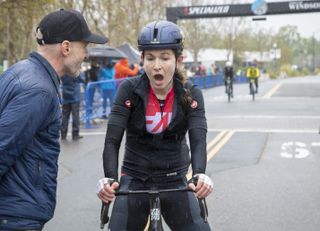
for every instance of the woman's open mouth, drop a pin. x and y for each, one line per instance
(158, 77)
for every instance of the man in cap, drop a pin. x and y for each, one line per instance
(30, 119)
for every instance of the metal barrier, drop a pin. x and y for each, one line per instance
(208, 81)
(96, 104)
(241, 79)
(99, 96)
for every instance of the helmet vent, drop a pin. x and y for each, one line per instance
(155, 36)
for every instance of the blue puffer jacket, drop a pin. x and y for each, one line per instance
(30, 119)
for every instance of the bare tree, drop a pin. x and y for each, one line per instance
(121, 21)
(19, 16)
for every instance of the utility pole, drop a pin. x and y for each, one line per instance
(313, 54)
(314, 49)
(274, 46)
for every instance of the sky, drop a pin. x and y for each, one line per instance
(308, 23)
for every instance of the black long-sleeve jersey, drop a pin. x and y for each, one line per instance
(160, 156)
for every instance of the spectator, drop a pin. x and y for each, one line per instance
(106, 74)
(218, 70)
(122, 69)
(141, 69)
(91, 76)
(198, 69)
(70, 104)
(211, 69)
(30, 120)
(203, 70)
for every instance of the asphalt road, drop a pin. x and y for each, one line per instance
(263, 157)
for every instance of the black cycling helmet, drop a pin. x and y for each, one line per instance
(160, 35)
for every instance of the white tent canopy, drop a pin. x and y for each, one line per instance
(208, 56)
(266, 56)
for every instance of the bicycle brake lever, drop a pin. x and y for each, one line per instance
(104, 218)
(202, 201)
(203, 209)
(193, 180)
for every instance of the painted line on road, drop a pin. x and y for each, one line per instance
(216, 139)
(315, 144)
(220, 144)
(225, 130)
(216, 144)
(265, 117)
(269, 130)
(272, 91)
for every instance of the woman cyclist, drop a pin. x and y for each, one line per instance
(156, 110)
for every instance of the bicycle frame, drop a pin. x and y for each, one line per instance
(252, 88)
(229, 88)
(155, 208)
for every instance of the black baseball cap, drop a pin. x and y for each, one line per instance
(66, 25)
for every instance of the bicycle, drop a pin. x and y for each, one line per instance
(252, 88)
(155, 208)
(229, 88)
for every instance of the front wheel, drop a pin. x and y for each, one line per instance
(252, 90)
(229, 90)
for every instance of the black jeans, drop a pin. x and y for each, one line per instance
(180, 210)
(66, 110)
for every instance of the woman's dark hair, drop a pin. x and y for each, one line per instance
(180, 74)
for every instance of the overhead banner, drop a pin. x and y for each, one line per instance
(258, 7)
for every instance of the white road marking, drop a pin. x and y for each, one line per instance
(269, 130)
(237, 130)
(297, 150)
(265, 117)
(225, 98)
(216, 144)
(315, 144)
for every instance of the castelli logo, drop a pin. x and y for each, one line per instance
(128, 103)
(194, 104)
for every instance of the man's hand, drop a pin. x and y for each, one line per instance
(106, 189)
